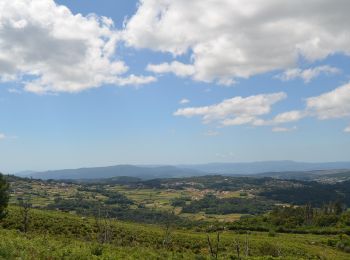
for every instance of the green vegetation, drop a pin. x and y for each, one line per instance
(210, 217)
(314, 193)
(330, 219)
(56, 235)
(14, 245)
(4, 196)
(121, 212)
(210, 204)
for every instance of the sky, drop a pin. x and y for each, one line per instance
(94, 83)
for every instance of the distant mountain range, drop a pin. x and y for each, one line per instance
(266, 166)
(319, 175)
(116, 171)
(276, 169)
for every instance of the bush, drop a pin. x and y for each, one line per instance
(268, 249)
(272, 233)
(97, 250)
(326, 220)
(345, 218)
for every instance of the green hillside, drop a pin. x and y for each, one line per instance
(57, 235)
(210, 217)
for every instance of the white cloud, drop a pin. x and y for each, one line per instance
(56, 50)
(333, 104)
(287, 117)
(329, 105)
(308, 74)
(230, 39)
(239, 120)
(177, 68)
(235, 111)
(284, 129)
(240, 111)
(2, 136)
(282, 118)
(347, 130)
(134, 80)
(184, 101)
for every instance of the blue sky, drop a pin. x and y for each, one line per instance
(52, 119)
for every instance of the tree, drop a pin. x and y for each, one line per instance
(26, 206)
(214, 252)
(4, 196)
(104, 227)
(167, 233)
(237, 246)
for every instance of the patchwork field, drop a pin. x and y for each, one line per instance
(44, 193)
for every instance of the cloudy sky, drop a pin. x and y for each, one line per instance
(87, 82)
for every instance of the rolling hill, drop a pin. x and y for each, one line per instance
(275, 169)
(116, 171)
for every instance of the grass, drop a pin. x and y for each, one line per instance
(211, 217)
(14, 245)
(57, 235)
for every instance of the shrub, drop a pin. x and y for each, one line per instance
(268, 249)
(272, 233)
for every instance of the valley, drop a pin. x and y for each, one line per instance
(179, 218)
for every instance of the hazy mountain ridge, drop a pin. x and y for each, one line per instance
(266, 166)
(319, 175)
(116, 171)
(275, 169)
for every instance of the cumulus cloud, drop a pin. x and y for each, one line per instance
(330, 105)
(284, 129)
(230, 39)
(239, 111)
(286, 117)
(308, 74)
(235, 111)
(134, 80)
(333, 104)
(177, 68)
(347, 130)
(281, 118)
(49, 49)
(2, 136)
(184, 101)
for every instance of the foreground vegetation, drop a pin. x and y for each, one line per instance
(160, 219)
(56, 235)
